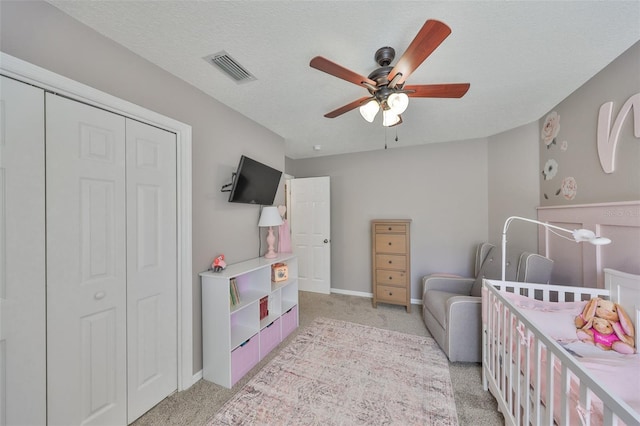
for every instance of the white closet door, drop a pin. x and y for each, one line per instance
(22, 255)
(151, 266)
(86, 275)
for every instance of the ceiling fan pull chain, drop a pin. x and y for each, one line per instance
(385, 138)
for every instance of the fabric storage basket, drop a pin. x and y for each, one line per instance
(269, 338)
(244, 358)
(289, 321)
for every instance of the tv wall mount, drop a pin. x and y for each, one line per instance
(227, 186)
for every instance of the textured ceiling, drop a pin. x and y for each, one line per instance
(521, 58)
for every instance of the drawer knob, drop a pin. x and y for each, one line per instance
(390, 278)
(390, 294)
(390, 228)
(389, 243)
(390, 262)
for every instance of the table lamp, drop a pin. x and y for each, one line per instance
(270, 216)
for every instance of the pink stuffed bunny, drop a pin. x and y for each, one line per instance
(606, 325)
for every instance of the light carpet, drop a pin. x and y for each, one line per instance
(342, 373)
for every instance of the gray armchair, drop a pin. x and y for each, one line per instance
(451, 305)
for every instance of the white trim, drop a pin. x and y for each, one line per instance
(367, 295)
(351, 292)
(37, 76)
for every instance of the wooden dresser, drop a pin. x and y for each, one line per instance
(391, 262)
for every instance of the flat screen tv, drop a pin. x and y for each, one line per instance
(254, 183)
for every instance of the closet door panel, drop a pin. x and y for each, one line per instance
(22, 255)
(151, 266)
(86, 270)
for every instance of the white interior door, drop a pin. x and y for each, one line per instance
(22, 255)
(86, 255)
(151, 267)
(311, 232)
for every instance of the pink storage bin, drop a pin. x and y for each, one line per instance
(244, 358)
(289, 321)
(269, 338)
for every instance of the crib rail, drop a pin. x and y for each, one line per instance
(519, 364)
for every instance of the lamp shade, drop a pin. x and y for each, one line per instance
(270, 217)
(369, 110)
(389, 118)
(398, 102)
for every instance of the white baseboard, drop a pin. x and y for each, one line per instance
(352, 293)
(367, 295)
(197, 377)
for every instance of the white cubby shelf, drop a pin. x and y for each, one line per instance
(234, 338)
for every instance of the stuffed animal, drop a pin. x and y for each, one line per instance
(606, 325)
(218, 263)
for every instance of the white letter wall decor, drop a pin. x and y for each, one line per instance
(607, 142)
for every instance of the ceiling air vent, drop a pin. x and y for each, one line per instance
(229, 66)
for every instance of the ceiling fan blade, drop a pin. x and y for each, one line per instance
(430, 36)
(452, 90)
(347, 107)
(339, 71)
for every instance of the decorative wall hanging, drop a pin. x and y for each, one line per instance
(569, 188)
(607, 141)
(550, 169)
(550, 128)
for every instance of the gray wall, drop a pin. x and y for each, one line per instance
(40, 34)
(441, 187)
(513, 185)
(617, 82)
(457, 193)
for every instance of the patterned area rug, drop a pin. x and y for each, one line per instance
(341, 373)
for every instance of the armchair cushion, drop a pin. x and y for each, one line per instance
(459, 285)
(534, 268)
(519, 266)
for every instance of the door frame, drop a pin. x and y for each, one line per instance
(26, 72)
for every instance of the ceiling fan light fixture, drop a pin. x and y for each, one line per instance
(370, 110)
(389, 118)
(398, 102)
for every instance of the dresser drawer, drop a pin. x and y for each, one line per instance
(391, 277)
(391, 294)
(390, 243)
(391, 261)
(391, 228)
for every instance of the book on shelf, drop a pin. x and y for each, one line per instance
(233, 292)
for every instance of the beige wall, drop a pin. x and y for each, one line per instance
(578, 123)
(39, 33)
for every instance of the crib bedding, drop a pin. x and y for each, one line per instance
(617, 373)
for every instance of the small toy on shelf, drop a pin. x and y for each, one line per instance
(218, 264)
(279, 272)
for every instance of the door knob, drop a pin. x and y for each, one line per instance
(326, 241)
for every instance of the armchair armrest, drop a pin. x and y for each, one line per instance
(464, 325)
(451, 284)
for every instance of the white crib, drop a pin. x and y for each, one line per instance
(538, 372)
